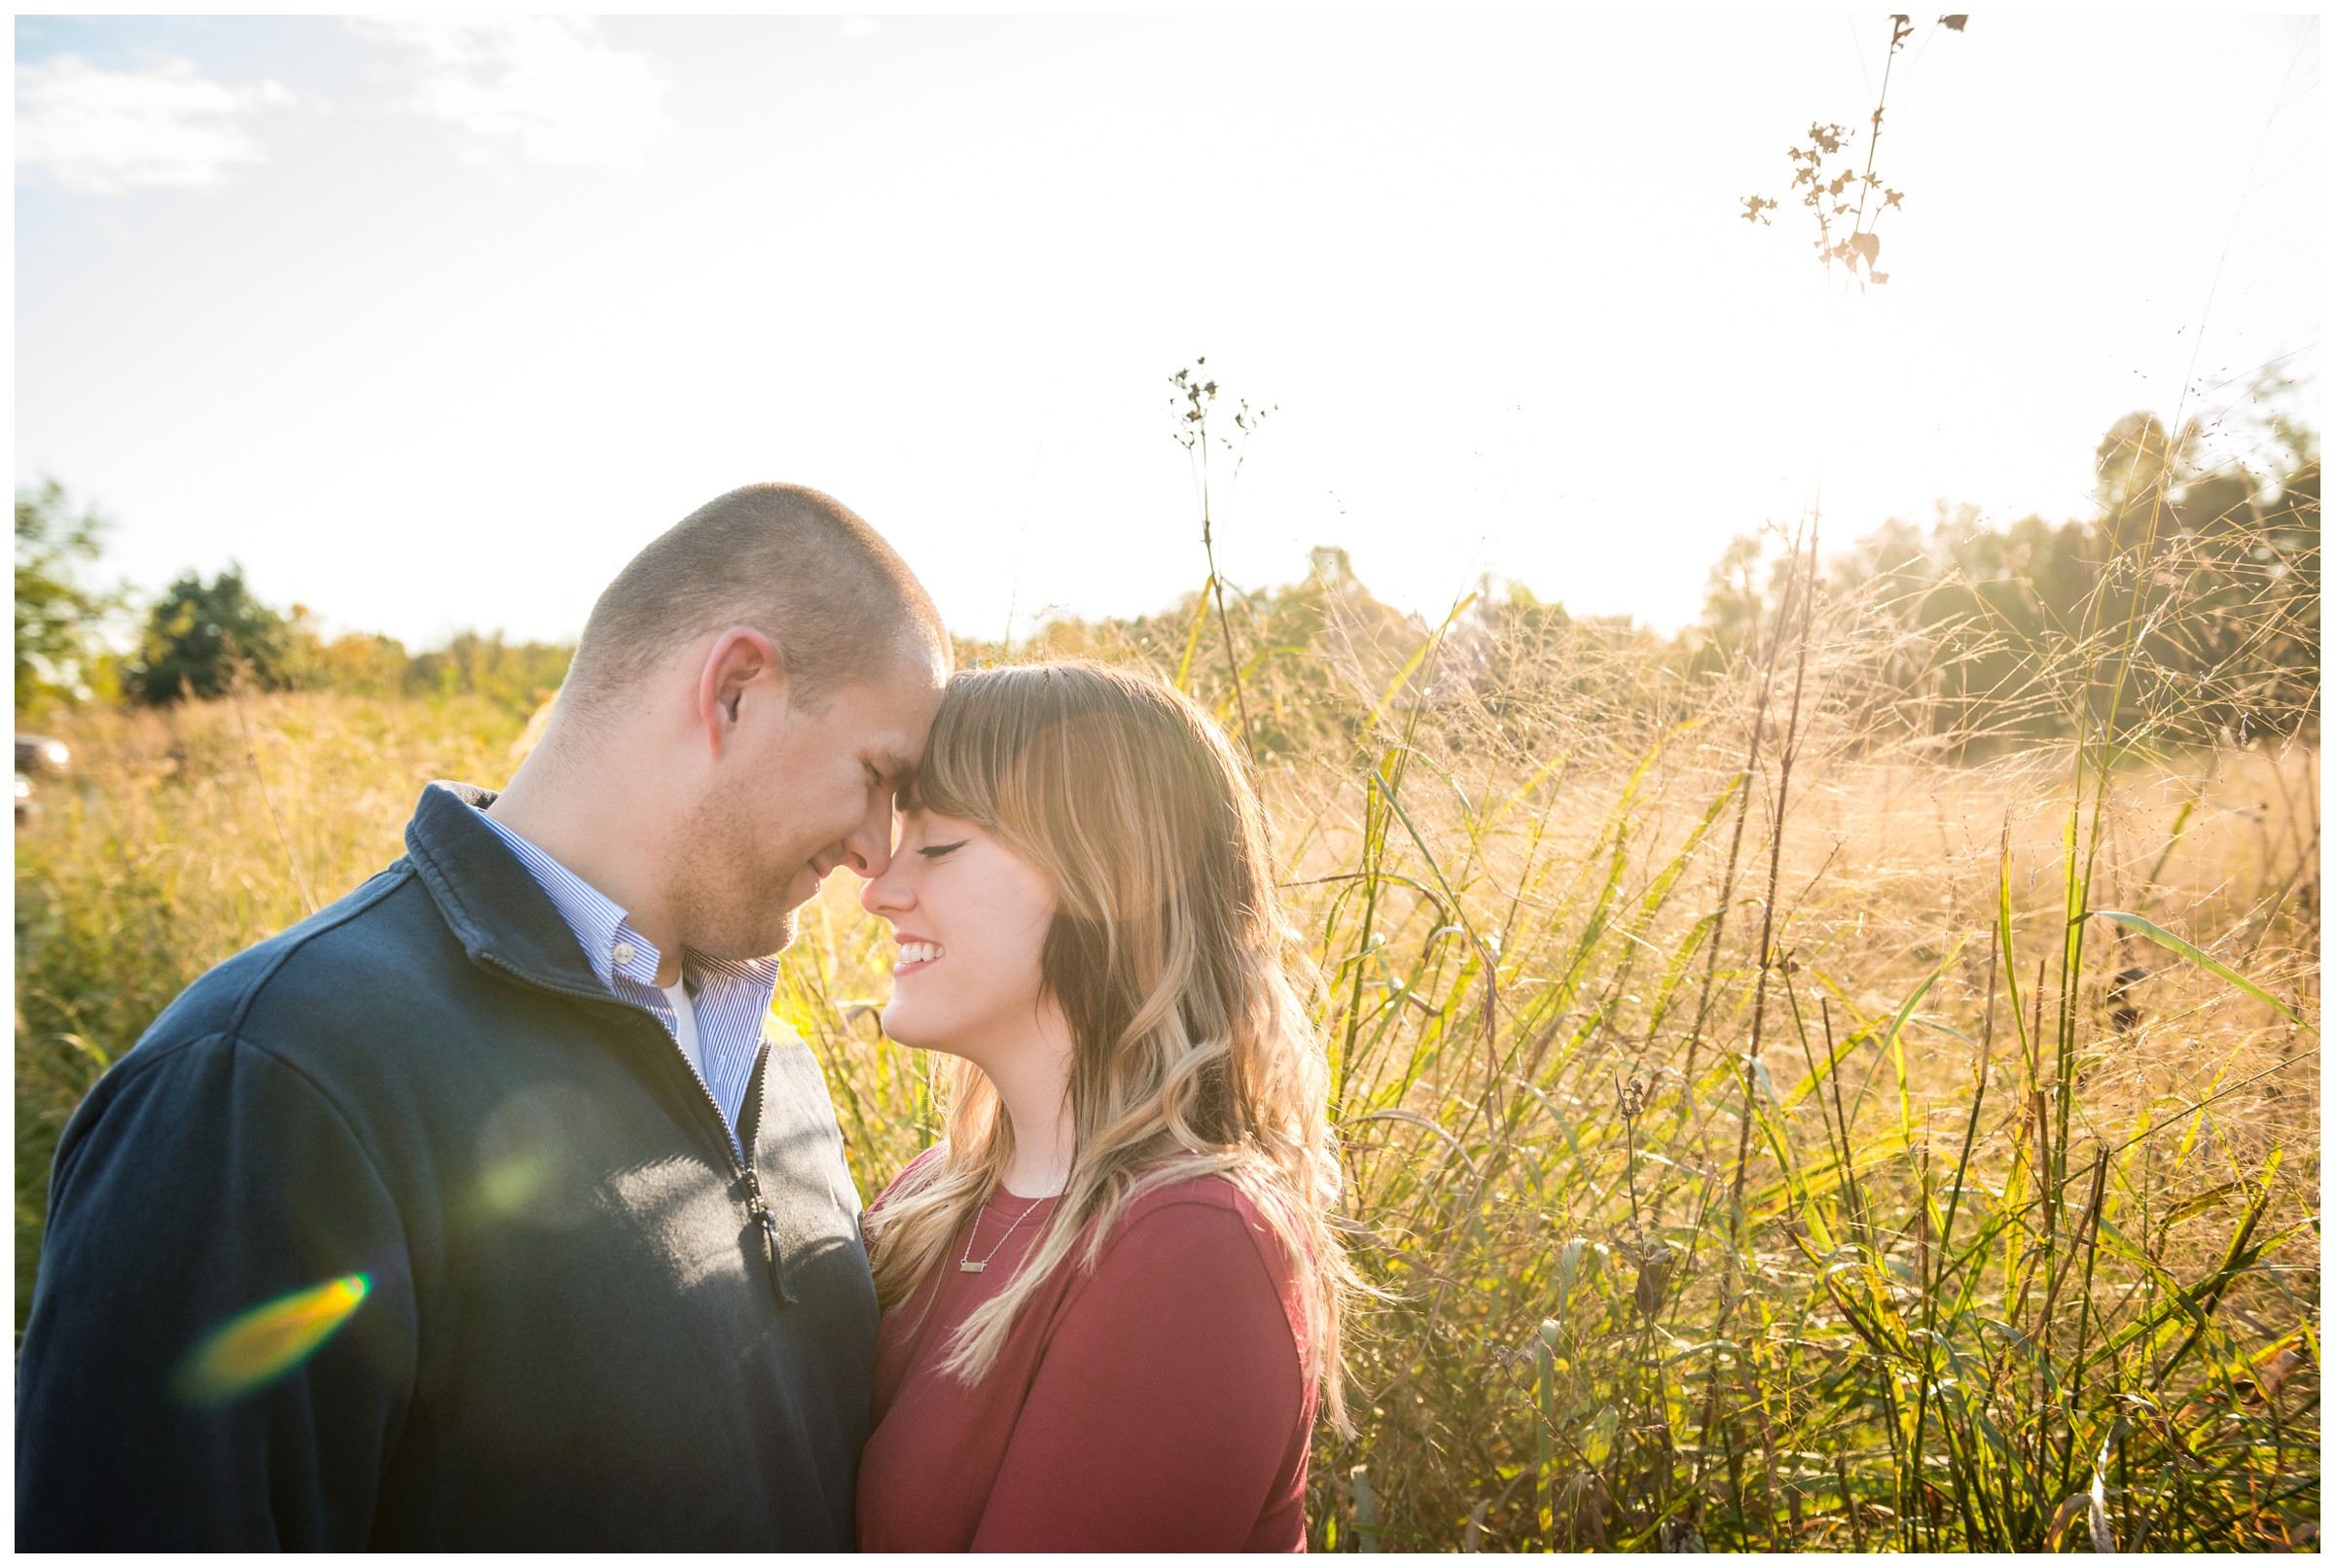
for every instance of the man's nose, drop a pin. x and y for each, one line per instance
(869, 849)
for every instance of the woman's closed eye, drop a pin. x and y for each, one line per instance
(936, 851)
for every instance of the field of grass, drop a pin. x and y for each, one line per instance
(1756, 1133)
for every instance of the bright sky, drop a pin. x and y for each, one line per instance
(433, 323)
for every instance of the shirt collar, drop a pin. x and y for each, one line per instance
(604, 931)
(489, 899)
(610, 943)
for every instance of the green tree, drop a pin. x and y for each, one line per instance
(59, 618)
(516, 676)
(2190, 600)
(199, 632)
(1744, 584)
(364, 663)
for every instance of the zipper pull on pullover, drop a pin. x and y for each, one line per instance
(758, 1207)
(767, 1223)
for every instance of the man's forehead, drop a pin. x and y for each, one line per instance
(894, 714)
(920, 662)
(895, 758)
(908, 690)
(914, 683)
(896, 746)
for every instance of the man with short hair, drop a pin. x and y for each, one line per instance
(477, 1211)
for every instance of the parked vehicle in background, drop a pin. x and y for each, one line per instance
(37, 755)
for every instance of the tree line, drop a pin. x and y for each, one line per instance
(2187, 602)
(2186, 607)
(199, 637)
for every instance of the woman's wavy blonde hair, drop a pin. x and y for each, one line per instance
(1170, 958)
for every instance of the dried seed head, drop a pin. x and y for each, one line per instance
(2254, 1392)
(2124, 1014)
(1655, 1260)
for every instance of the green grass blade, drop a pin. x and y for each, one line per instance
(2205, 961)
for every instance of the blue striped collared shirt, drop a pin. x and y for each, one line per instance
(730, 996)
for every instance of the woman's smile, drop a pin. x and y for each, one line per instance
(916, 954)
(954, 876)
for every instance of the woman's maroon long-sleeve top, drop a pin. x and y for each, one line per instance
(1157, 1403)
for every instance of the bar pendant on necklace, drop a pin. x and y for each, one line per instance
(965, 1265)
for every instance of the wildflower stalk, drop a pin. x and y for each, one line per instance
(1192, 434)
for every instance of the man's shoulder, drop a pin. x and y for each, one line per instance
(341, 962)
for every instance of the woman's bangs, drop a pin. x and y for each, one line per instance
(969, 751)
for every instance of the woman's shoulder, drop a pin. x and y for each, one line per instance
(1205, 1218)
(1199, 1195)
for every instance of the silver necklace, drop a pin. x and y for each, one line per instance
(966, 1264)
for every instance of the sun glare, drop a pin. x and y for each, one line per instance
(257, 1348)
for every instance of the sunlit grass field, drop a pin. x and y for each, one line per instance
(1756, 1134)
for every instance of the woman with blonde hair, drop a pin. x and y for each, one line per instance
(1111, 1296)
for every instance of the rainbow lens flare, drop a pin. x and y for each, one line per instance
(254, 1348)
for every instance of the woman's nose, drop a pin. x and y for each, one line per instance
(885, 893)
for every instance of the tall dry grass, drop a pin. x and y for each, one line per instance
(183, 836)
(1759, 1136)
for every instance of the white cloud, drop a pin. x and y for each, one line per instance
(548, 87)
(106, 131)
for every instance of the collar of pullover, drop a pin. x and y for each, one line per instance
(490, 901)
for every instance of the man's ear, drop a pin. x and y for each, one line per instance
(741, 658)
